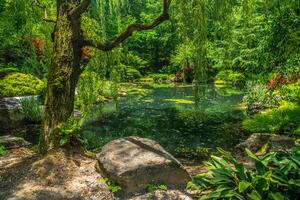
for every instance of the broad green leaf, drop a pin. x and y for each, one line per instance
(243, 185)
(251, 155)
(277, 196)
(254, 195)
(294, 182)
(63, 141)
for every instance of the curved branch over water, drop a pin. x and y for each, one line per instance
(107, 46)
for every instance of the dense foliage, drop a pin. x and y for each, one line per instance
(276, 176)
(19, 84)
(250, 46)
(242, 36)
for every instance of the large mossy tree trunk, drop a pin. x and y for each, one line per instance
(63, 75)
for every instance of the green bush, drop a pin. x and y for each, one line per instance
(2, 150)
(291, 92)
(258, 97)
(68, 133)
(285, 119)
(31, 109)
(89, 88)
(19, 84)
(276, 176)
(160, 77)
(201, 153)
(232, 77)
(132, 74)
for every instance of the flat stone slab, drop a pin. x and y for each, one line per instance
(12, 142)
(135, 162)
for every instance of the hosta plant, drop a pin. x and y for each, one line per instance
(275, 176)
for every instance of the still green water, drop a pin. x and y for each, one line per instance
(166, 113)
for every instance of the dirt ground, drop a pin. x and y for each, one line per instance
(65, 175)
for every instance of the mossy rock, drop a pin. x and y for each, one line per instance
(266, 142)
(20, 84)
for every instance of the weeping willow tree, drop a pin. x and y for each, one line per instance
(69, 41)
(192, 30)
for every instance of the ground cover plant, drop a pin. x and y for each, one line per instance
(275, 176)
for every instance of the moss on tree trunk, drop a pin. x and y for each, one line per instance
(63, 76)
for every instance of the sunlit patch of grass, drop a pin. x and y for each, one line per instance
(242, 106)
(180, 101)
(228, 91)
(182, 86)
(285, 119)
(134, 89)
(160, 85)
(148, 100)
(146, 79)
(220, 83)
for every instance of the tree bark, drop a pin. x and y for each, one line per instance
(63, 75)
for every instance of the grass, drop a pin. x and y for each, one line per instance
(284, 119)
(31, 109)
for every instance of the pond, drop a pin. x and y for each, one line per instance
(163, 112)
(166, 113)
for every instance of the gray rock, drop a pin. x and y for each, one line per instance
(135, 162)
(13, 102)
(12, 142)
(274, 142)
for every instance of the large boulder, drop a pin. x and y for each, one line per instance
(271, 142)
(135, 162)
(12, 142)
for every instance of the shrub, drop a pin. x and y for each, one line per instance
(88, 90)
(232, 77)
(285, 119)
(160, 77)
(291, 92)
(2, 150)
(19, 84)
(276, 176)
(132, 74)
(258, 97)
(200, 153)
(31, 109)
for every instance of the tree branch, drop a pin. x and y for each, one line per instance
(81, 8)
(43, 7)
(107, 46)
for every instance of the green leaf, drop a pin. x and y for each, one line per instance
(243, 185)
(294, 182)
(254, 195)
(277, 196)
(251, 155)
(63, 141)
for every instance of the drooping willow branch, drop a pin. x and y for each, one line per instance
(107, 46)
(44, 8)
